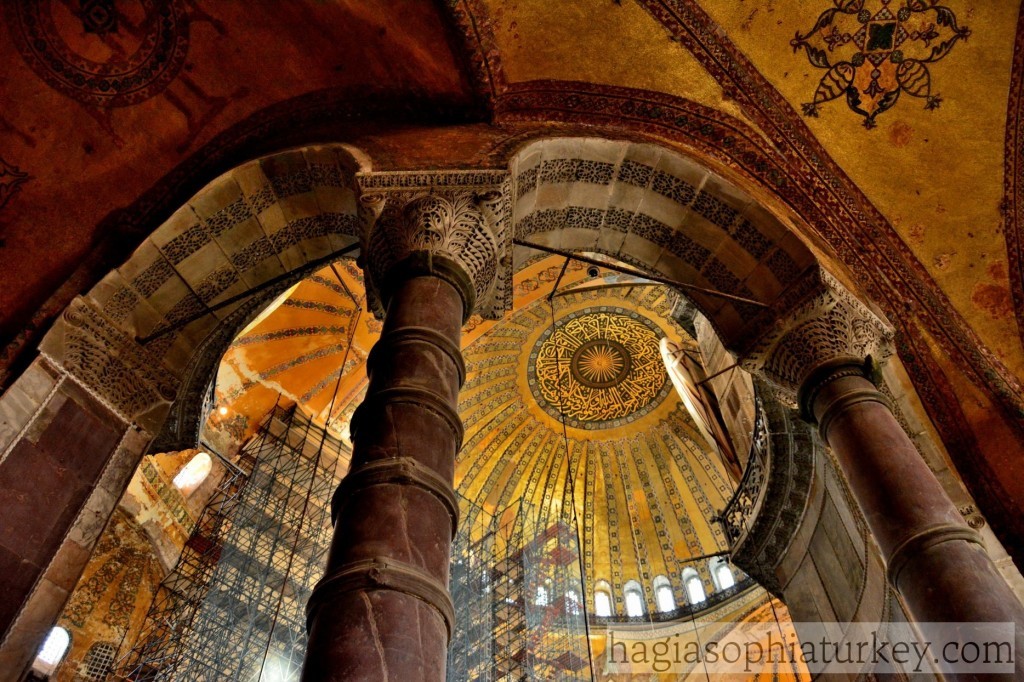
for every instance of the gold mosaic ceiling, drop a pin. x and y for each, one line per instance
(295, 351)
(927, 203)
(940, 140)
(630, 459)
(643, 483)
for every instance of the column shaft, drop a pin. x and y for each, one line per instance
(382, 611)
(936, 562)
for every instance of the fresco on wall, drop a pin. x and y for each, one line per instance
(112, 596)
(106, 56)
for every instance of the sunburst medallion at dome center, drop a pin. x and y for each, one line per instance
(600, 363)
(599, 368)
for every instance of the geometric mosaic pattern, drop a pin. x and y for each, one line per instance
(643, 205)
(260, 221)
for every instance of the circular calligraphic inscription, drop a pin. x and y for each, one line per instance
(108, 53)
(599, 367)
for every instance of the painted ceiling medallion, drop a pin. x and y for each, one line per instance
(600, 368)
(874, 50)
(114, 54)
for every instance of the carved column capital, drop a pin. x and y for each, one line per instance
(452, 225)
(830, 334)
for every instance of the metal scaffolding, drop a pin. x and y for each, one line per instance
(516, 582)
(233, 608)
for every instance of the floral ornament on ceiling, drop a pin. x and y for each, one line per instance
(599, 368)
(11, 178)
(874, 50)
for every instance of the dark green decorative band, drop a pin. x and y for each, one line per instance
(381, 573)
(919, 542)
(422, 397)
(429, 264)
(404, 470)
(411, 335)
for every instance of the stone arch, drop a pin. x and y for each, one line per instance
(256, 228)
(653, 208)
(136, 353)
(666, 214)
(128, 362)
(184, 420)
(794, 526)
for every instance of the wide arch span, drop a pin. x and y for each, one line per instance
(665, 213)
(126, 364)
(138, 350)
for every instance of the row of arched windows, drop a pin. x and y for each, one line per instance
(664, 596)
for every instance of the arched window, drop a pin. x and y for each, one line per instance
(194, 473)
(53, 651)
(277, 669)
(99, 661)
(602, 599)
(693, 586)
(541, 598)
(663, 596)
(721, 574)
(572, 603)
(634, 595)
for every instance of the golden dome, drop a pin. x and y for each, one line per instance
(629, 461)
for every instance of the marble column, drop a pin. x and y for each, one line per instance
(825, 357)
(383, 611)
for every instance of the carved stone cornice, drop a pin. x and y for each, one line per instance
(452, 224)
(833, 326)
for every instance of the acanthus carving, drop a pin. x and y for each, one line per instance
(832, 325)
(460, 216)
(111, 365)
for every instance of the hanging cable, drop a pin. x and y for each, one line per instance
(643, 275)
(571, 478)
(732, 486)
(316, 462)
(693, 616)
(208, 309)
(571, 482)
(351, 337)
